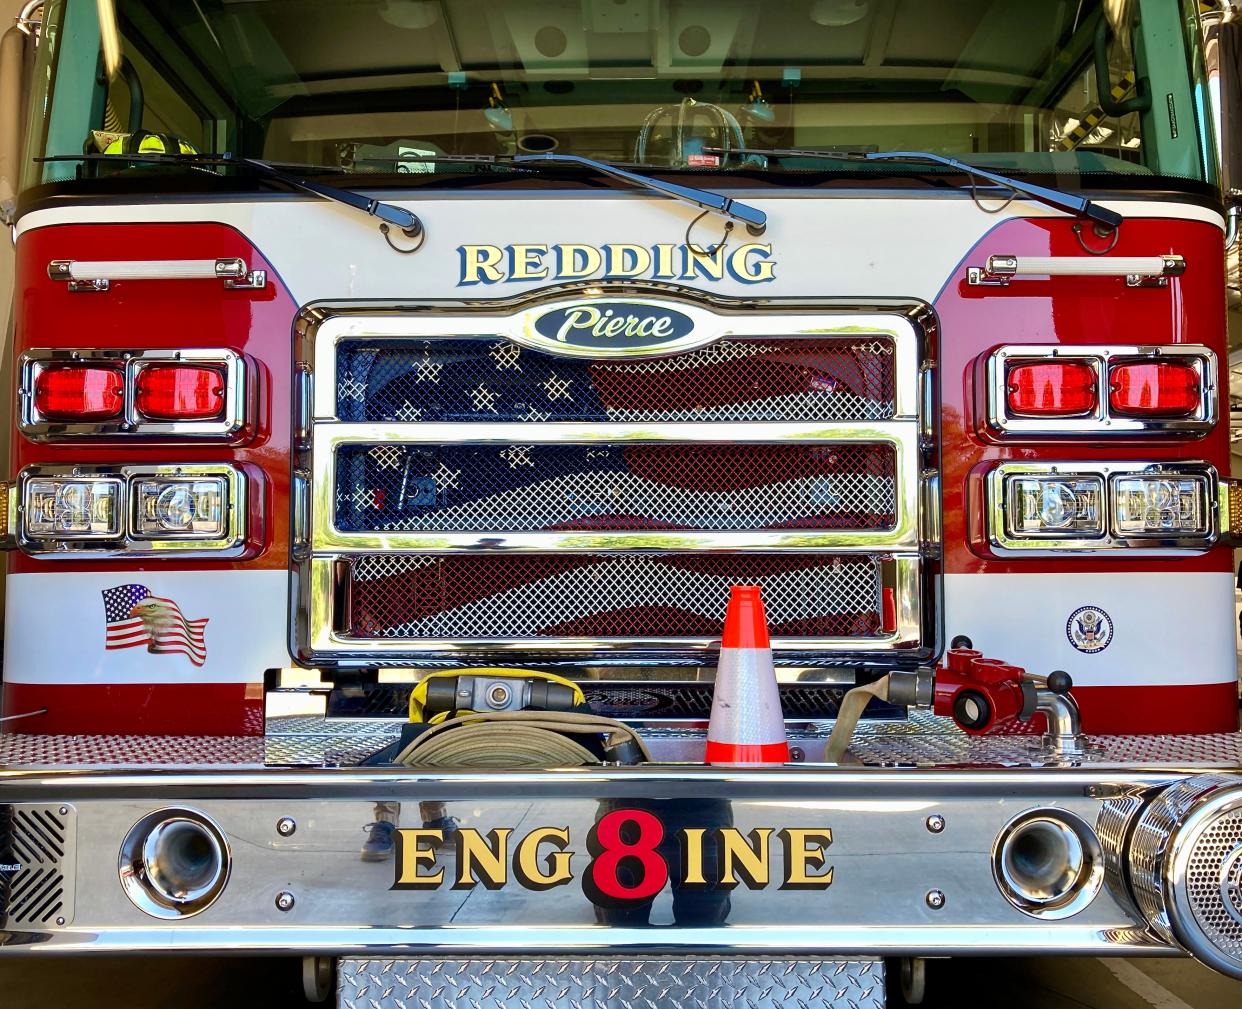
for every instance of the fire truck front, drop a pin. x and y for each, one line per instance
(413, 335)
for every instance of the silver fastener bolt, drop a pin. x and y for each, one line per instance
(64, 810)
(60, 921)
(796, 754)
(286, 825)
(935, 823)
(284, 900)
(935, 899)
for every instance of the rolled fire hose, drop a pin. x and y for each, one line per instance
(851, 710)
(514, 739)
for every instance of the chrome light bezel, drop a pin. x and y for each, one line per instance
(1101, 421)
(131, 424)
(130, 543)
(1003, 543)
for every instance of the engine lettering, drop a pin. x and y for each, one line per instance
(633, 856)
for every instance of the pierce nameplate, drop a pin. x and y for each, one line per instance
(614, 325)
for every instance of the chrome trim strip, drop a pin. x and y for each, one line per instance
(807, 781)
(1110, 544)
(238, 396)
(323, 641)
(934, 939)
(770, 322)
(130, 544)
(327, 438)
(1101, 421)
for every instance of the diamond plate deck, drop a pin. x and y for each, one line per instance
(650, 983)
(310, 741)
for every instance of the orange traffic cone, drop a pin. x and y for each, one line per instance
(747, 724)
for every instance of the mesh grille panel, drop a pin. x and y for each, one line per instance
(563, 487)
(1214, 883)
(790, 379)
(604, 595)
(35, 843)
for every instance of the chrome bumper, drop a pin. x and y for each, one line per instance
(915, 826)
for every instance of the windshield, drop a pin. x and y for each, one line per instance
(1073, 87)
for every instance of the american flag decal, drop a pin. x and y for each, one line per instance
(134, 617)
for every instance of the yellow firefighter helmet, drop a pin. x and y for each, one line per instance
(145, 142)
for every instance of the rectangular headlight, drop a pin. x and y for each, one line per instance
(181, 507)
(1161, 504)
(73, 508)
(133, 510)
(1054, 507)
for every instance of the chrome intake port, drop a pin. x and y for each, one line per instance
(1048, 863)
(174, 863)
(1185, 867)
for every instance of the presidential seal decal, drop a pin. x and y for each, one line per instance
(1089, 629)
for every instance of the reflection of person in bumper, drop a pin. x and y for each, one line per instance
(379, 845)
(693, 904)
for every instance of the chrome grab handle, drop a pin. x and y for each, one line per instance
(83, 275)
(1139, 271)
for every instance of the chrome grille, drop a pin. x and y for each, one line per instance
(550, 487)
(608, 595)
(773, 379)
(465, 491)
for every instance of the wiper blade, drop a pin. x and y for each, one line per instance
(387, 213)
(756, 220)
(1071, 203)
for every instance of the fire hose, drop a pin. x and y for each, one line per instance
(518, 739)
(982, 695)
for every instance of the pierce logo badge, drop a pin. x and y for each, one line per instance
(1089, 629)
(614, 325)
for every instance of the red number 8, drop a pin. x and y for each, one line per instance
(602, 881)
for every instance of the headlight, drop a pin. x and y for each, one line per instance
(181, 506)
(1056, 506)
(1159, 504)
(127, 510)
(58, 508)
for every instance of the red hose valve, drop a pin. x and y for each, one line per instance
(978, 693)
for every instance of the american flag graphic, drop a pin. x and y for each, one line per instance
(134, 617)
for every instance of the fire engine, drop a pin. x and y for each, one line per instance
(402, 387)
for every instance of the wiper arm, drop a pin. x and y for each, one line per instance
(756, 220)
(387, 213)
(1079, 206)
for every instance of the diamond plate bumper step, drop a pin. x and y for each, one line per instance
(610, 983)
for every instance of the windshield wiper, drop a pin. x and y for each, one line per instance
(1079, 206)
(386, 213)
(756, 220)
